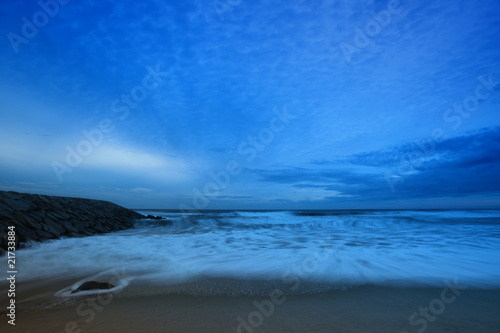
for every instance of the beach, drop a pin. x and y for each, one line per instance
(266, 271)
(361, 309)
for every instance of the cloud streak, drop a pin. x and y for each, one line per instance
(458, 167)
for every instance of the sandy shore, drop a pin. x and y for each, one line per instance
(361, 309)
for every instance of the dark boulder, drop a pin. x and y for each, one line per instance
(93, 285)
(152, 217)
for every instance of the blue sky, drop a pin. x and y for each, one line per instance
(253, 104)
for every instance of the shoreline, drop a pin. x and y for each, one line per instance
(359, 309)
(222, 276)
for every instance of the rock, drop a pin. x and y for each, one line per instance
(30, 222)
(19, 216)
(87, 232)
(52, 231)
(154, 217)
(64, 215)
(44, 199)
(6, 211)
(43, 235)
(38, 216)
(12, 195)
(16, 204)
(25, 235)
(93, 285)
(5, 215)
(55, 229)
(69, 227)
(99, 228)
(54, 216)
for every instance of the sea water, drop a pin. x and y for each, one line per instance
(294, 249)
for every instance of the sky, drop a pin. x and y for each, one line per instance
(238, 104)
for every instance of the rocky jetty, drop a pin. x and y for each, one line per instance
(41, 217)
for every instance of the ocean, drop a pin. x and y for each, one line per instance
(297, 252)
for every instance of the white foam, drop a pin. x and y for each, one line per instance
(346, 249)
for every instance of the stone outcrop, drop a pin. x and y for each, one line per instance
(152, 217)
(93, 285)
(41, 217)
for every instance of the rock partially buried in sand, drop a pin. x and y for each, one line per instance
(93, 285)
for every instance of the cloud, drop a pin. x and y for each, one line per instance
(141, 190)
(472, 149)
(127, 160)
(455, 167)
(123, 157)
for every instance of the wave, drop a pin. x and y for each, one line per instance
(319, 251)
(323, 220)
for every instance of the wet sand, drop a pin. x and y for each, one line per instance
(361, 309)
